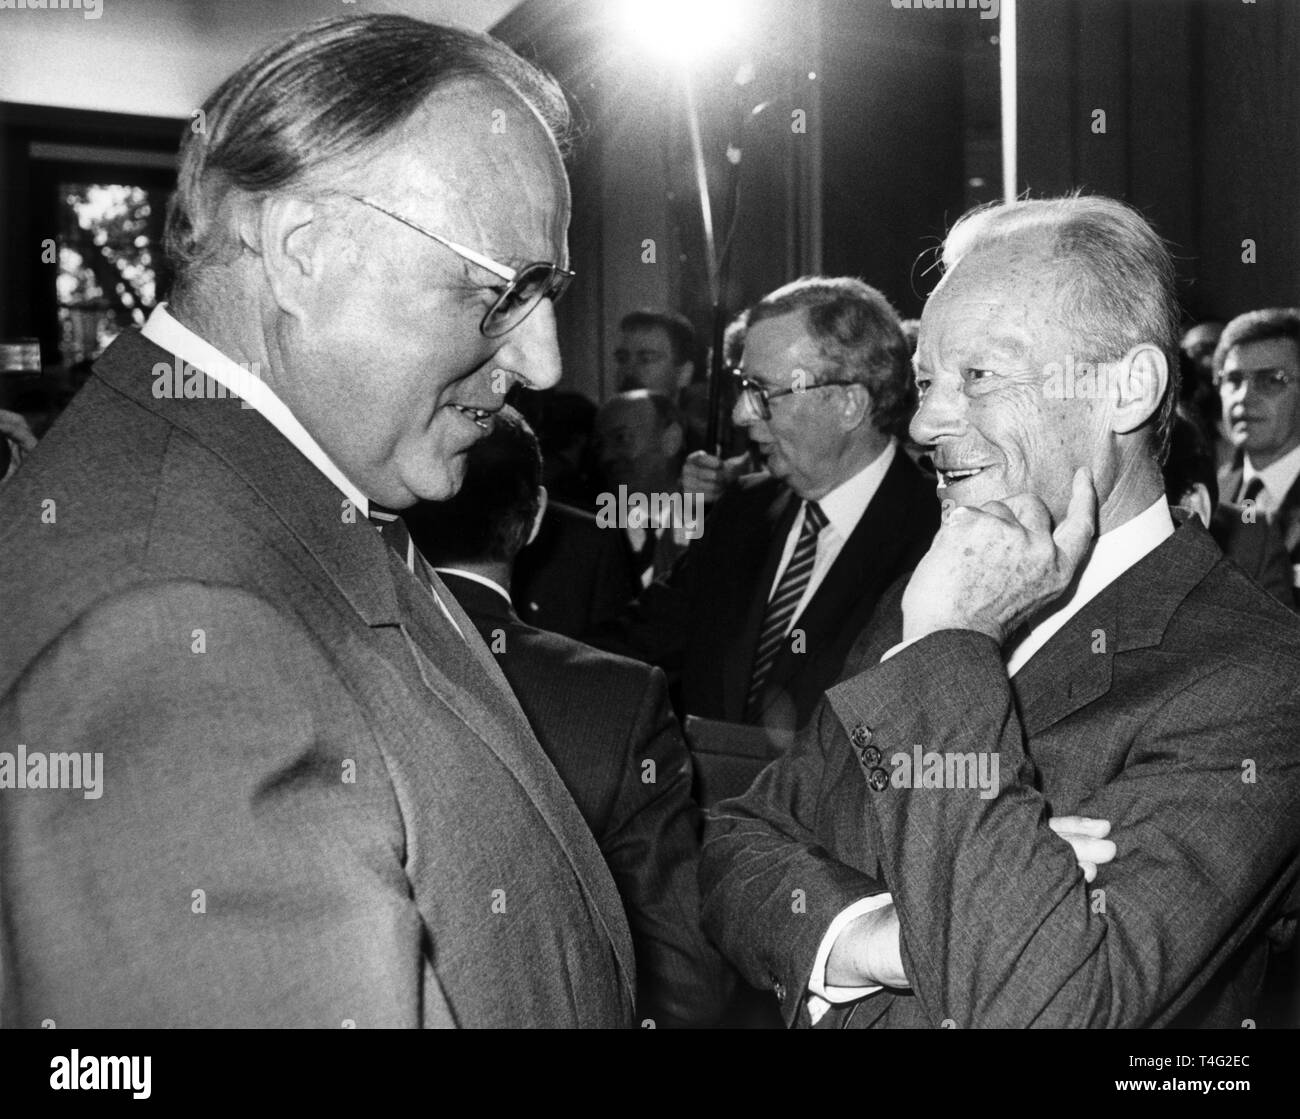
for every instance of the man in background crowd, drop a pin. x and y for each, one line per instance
(604, 721)
(1257, 370)
(756, 618)
(640, 444)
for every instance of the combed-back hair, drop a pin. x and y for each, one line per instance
(1115, 272)
(1258, 326)
(492, 514)
(310, 108)
(857, 330)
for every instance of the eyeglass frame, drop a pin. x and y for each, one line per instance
(1277, 379)
(555, 287)
(749, 389)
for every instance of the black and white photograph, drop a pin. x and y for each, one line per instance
(650, 514)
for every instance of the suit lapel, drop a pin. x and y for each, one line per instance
(1288, 521)
(1075, 667)
(459, 673)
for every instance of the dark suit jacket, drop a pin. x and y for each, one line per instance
(574, 575)
(1168, 705)
(605, 723)
(320, 804)
(702, 621)
(1256, 547)
(1287, 517)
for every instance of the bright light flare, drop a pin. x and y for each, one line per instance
(682, 31)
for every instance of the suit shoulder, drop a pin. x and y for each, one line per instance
(617, 671)
(1229, 612)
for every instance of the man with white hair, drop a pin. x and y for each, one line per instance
(1063, 650)
(321, 804)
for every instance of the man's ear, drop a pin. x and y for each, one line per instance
(685, 374)
(1197, 500)
(857, 408)
(288, 235)
(670, 441)
(542, 498)
(1139, 385)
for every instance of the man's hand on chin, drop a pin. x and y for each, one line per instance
(990, 568)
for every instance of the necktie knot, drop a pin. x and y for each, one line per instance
(1253, 489)
(814, 520)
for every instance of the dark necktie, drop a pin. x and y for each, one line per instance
(1252, 491)
(644, 556)
(393, 529)
(781, 607)
(396, 535)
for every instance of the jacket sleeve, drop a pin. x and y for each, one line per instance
(242, 862)
(999, 927)
(771, 888)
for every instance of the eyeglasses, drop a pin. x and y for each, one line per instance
(1266, 382)
(758, 397)
(524, 289)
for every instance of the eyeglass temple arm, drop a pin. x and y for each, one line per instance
(507, 274)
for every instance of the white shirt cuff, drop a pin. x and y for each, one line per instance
(822, 996)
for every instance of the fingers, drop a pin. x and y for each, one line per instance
(1089, 850)
(1074, 535)
(1082, 825)
(703, 460)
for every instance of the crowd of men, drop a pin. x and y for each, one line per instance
(966, 694)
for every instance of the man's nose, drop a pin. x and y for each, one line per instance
(531, 354)
(941, 412)
(741, 413)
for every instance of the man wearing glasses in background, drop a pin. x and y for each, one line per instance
(757, 617)
(320, 803)
(1257, 371)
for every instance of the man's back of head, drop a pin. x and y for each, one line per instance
(494, 514)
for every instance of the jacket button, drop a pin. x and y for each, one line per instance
(878, 780)
(871, 756)
(861, 736)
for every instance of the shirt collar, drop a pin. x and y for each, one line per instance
(846, 503)
(163, 329)
(475, 577)
(1113, 554)
(1278, 477)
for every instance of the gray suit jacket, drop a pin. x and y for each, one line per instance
(320, 804)
(1168, 705)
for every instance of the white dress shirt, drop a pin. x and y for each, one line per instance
(1113, 554)
(1278, 478)
(844, 507)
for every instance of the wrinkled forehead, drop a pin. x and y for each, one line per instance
(1011, 291)
(474, 157)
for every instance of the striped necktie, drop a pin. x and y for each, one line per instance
(781, 607)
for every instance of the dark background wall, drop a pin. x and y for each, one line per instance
(1202, 103)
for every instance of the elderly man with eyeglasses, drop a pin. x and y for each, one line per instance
(758, 615)
(318, 802)
(1257, 371)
